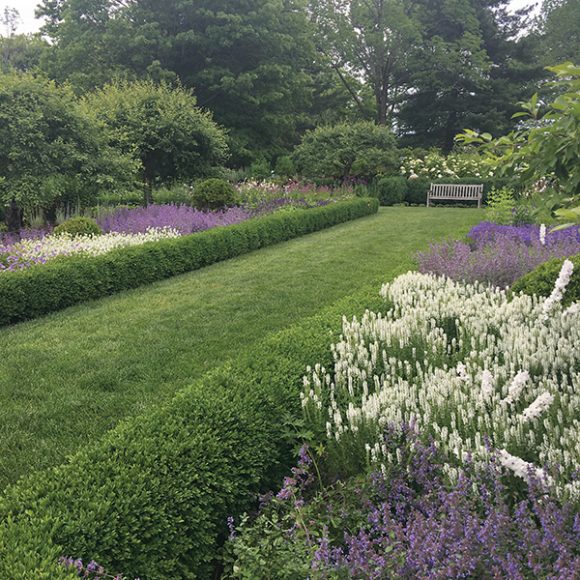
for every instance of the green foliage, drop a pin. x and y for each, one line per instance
(53, 151)
(501, 204)
(391, 190)
(213, 194)
(541, 281)
(346, 151)
(21, 52)
(179, 194)
(78, 226)
(162, 128)
(260, 170)
(467, 70)
(62, 282)
(544, 152)
(127, 198)
(152, 498)
(247, 61)
(559, 23)
(369, 40)
(285, 167)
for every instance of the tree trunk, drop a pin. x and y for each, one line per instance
(13, 217)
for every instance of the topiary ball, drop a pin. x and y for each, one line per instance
(78, 226)
(214, 194)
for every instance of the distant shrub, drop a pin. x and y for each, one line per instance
(285, 167)
(501, 204)
(213, 194)
(345, 152)
(78, 226)
(177, 195)
(391, 190)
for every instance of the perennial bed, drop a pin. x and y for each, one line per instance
(62, 282)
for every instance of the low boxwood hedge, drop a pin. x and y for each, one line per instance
(152, 498)
(27, 294)
(541, 280)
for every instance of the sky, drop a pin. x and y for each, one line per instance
(29, 24)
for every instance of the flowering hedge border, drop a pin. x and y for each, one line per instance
(541, 280)
(41, 289)
(152, 498)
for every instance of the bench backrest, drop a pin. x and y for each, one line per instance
(455, 191)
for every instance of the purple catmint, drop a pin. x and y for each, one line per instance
(497, 254)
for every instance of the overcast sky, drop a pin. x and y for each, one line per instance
(29, 24)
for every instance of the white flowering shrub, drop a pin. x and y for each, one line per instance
(434, 165)
(38, 251)
(479, 371)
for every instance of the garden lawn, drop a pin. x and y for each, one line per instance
(69, 377)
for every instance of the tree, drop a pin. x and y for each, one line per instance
(51, 150)
(343, 152)
(559, 23)
(469, 69)
(21, 52)
(248, 61)
(546, 147)
(162, 127)
(370, 39)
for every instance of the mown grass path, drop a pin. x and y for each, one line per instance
(67, 378)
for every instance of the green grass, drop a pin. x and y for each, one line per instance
(69, 377)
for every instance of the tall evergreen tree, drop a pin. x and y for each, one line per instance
(471, 66)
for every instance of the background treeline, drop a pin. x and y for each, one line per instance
(139, 93)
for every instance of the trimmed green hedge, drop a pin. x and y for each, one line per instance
(541, 280)
(151, 499)
(27, 294)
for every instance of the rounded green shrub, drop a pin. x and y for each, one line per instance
(78, 226)
(285, 167)
(541, 280)
(417, 191)
(213, 194)
(391, 190)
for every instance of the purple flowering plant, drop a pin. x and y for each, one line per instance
(92, 570)
(498, 254)
(408, 522)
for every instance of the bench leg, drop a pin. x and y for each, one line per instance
(427, 201)
(479, 203)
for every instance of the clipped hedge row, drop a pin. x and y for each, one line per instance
(541, 280)
(151, 499)
(41, 289)
(392, 190)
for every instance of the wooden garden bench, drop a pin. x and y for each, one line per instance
(459, 192)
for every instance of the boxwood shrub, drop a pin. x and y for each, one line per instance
(541, 280)
(151, 499)
(62, 282)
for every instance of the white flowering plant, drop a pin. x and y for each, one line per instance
(26, 252)
(435, 165)
(485, 374)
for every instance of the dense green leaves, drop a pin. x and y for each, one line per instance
(162, 128)
(346, 151)
(51, 150)
(247, 60)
